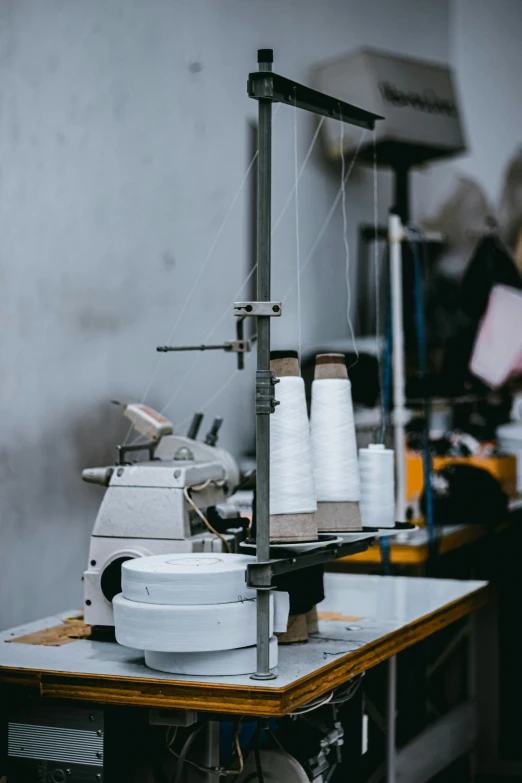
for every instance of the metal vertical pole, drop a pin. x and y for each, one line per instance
(391, 709)
(399, 377)
(264, 207)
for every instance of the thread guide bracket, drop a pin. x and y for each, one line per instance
(266, 85)
(264, 309)
(260, 575)
(265, 398)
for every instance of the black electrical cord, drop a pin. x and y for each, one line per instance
(185, 749)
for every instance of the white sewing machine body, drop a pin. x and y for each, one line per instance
(145, 511)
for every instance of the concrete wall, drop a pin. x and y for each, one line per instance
(124, 133)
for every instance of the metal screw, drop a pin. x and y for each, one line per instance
(68, 771)
(98, 755)
(177, 473)
(249, 308)
(88, 603)
(119, 472)
(275, 308)
(99, 732)
(93, 562)
(91, 717)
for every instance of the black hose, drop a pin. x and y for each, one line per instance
(185, 749)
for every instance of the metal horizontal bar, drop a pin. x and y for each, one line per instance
(169, 348)
(260, 575)
(265, 85)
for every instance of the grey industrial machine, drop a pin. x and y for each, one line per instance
(155, 506)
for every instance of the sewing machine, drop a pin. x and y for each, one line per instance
(155, 506)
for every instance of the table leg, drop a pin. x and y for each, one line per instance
(391, 709)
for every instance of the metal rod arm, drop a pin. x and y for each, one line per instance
(265, 85)
(169, 348)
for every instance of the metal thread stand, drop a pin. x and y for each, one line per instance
(267, 87)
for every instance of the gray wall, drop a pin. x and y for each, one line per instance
(485, 51)
(124, 133)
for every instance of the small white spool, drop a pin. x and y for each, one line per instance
(334, 445)
(292, 488)
(376, 469)
(186, 628)
(216, 664)
(281, 610)
(187, 578)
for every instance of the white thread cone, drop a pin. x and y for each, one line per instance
(376, 468)
(292, 488)
(334, 446)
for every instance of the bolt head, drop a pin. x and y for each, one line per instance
(119, 472)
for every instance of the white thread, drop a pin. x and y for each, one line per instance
(186, 628)
(334, 447)
(215, 664)
(346, 245)
(191, 369)
(297, 251)
(291, 472)
(187, 578)
(330, 214)
(376, 470)
(308, 258)
(301, 170)
(252, 271)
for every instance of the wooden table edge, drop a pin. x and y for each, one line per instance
(239, 699)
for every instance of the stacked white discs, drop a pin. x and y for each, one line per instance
(376, 468)
(334, 445)
(192, 611)
(291, 471)
(205, 578)
(239, 661)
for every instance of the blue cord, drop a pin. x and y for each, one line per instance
(384, 545)
(384, 542)
(421, 345)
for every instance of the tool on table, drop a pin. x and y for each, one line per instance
(163, 504)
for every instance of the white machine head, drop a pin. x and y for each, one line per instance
(155, 506)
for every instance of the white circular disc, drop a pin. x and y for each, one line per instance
(277, 767)
(191, 578)
(182, 628)
(216, 664)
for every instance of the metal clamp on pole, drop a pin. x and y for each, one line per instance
(266, 309)
(265, 397)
